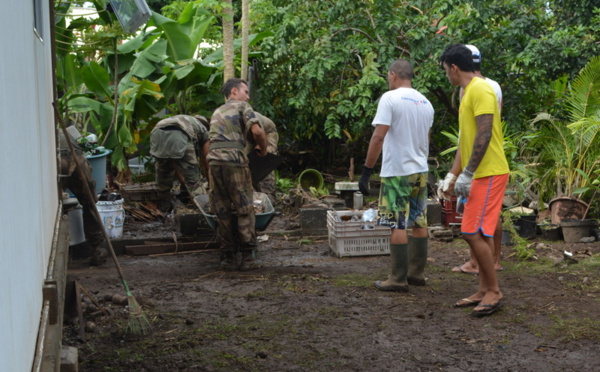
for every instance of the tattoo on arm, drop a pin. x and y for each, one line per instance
(482, 140)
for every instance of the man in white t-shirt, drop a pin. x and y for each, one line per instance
(402, 124)
(471, 267)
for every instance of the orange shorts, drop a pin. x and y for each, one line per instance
(484, 204)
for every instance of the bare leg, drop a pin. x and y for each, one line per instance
(498, 244)
(420, 232)
(471, 267)
(488, 291)
(399, 237)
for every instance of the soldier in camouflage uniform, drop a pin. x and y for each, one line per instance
(267, 184)
(232, 125)
(176, 143)
(92, 229)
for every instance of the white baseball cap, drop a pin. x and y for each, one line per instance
(476, 53)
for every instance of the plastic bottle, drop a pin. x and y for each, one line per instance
(460, 204)
(358, 200)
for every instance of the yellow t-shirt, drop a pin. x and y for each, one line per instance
(480, 99)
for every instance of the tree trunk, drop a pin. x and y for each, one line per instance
(245, 29)
(229, 69)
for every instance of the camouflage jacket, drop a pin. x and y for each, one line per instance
(67, 162)
(229, 132)
(271, 132)
(170, 136)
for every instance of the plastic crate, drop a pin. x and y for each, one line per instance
(449, 215)
(347, 238)
(449, 205)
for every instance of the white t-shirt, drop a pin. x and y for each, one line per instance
(406, 144)
(497, 90)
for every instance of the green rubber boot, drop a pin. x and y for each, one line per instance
(397, 279)
(417, 259)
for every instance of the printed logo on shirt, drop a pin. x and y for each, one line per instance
(416, 101)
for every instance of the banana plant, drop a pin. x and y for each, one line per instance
(122, 87)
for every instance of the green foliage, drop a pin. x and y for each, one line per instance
(158, 5)
(521, 247)
(570, 147)
(319, 67)
(119, 88)
(285, 184)
(515, 146)
(318, 192)
(324, 69)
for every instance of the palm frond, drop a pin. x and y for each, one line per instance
(570, 149)
(583, 98)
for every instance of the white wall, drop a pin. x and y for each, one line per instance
(28, 180)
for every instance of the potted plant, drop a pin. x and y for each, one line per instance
(510, 236)
(569, 146)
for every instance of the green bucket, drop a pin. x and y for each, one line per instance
(310, 178)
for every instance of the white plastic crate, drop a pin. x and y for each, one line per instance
(348, 238)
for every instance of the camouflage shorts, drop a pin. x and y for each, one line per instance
(400, 195)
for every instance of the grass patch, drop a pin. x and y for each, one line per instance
(353, 280)
(573, 328)
(255, 326)
(262, 294)
(537, 267)
(220, 330)
(435, 269)
(591, 264)
(582, 275)
(460, 243)
(518, 314)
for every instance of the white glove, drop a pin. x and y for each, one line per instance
(444, 186)
(463, 183)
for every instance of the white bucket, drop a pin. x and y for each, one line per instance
(112, 215)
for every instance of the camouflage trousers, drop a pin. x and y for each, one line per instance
(188, 167)
(91, 227)
(232, 200)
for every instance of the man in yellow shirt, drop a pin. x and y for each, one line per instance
(470, 267)
(484, 174)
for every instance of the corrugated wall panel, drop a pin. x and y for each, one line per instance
(28, 187)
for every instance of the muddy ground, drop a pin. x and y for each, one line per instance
(306, 310)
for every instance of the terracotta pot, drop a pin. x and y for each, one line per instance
(566, 208)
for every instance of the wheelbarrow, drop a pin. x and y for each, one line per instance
(262, 220)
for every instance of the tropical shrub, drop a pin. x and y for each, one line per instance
(569, 146)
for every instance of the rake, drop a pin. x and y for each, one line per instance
(138, 323)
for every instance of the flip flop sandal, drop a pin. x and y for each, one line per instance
(460, 269)
(489, 309)
(466, 302)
